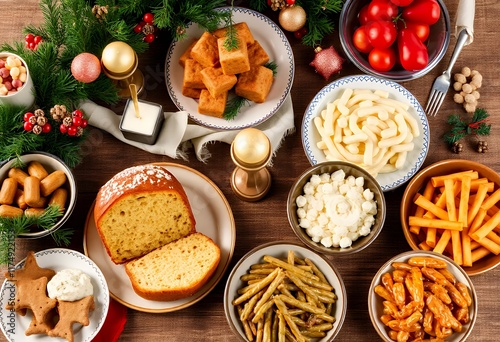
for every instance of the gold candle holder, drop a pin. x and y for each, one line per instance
(119, 62)
(251, 152)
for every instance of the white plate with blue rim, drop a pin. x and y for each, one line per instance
(14, 325)
(414, 159)
(273, 41)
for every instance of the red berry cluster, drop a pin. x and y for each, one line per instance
(73, 125)
(36, 123)
(147, 28)
(32, 41)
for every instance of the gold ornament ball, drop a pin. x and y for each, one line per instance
(118, 57)
(292, 18)
(251, 147)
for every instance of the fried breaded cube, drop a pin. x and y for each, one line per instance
(256, 54)
(216, 81)
(255, 84)
(191, 92)
(242, 31)
(210, 105)
(235, 61)
(192, 74)
(205, 51)
(186, 54)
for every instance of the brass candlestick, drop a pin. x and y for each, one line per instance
(119, 62)
(251, 152)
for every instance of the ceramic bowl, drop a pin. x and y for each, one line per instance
(349, 169)
(417, 184)
(280, 250)
(375, 302)
(50, 163)
(437, 43)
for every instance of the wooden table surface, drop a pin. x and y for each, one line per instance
(266, 220)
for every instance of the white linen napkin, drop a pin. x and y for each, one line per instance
(177, 134)
(465, 19)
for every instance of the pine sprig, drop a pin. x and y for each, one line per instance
(11, 228)
(460, 128)
(233, 107)
(319, 17)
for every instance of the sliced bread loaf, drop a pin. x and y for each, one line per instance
(140, 209)
(176, 270)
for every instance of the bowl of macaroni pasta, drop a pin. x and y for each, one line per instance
(336, 207)
(372, 122)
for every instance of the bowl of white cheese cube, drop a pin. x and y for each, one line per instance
(336, 207)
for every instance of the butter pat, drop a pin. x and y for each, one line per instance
(146, 128)
(70, 285)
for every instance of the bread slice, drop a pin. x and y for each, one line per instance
(176, 270)
(140, 209)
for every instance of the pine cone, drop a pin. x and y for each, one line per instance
(37, 129)
(41, 120)
(148, 29)
(277, 4)
(58, 112)
(482, 146)
(457, 147)
(100, 12)
(79, 131)
(39, 112)
(33, 120)
(68, 121)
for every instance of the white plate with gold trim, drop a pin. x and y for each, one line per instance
(214, 218)
(274, 42)
(14, 325)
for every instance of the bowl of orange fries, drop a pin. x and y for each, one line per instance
(422, 295)
(452, 207)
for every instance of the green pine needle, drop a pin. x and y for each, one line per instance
(460, 128)
(273, 66)
(233, 107)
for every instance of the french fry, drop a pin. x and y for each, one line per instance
(491, 200)
(487, 227)
(435, 223)
(438, 181)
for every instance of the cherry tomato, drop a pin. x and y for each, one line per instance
(421, 30)
(382, 59)
(361, 41)
(363, 16)
(382, 10)
(381, 34)
(413, 53)
(402, 3)
(422, 11)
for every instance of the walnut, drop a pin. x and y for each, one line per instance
(467, 82)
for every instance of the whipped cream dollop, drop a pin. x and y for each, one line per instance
(70, 285)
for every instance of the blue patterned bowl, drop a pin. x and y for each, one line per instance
(414, 159)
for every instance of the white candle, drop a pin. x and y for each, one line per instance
(143, 125)
(145, 128)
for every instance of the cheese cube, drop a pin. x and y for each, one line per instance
(192, 75)
(255, 84)
(256, 54)
(242, 31)
(210, 105)
(205, 51)
(235, 61)
(216, 81)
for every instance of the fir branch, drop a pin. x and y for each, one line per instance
(258, 5)
(62, 236)
(460, 128)
(232, 42)
(233, 107)
(273, 66)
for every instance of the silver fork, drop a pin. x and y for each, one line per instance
(442, 83)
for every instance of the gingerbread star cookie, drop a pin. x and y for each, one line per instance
(32, 294)
(70, 313)
(30, 270)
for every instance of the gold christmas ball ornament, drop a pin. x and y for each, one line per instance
(118, 58)
(251, 147)
(292, 18)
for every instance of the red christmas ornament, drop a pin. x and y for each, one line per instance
(327, 62)
(46, 128)
(299, 34)
(149, 38)
(86, 67)
(138, 27)
(32, 41)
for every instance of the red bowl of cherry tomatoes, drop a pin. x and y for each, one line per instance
(398, 40)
